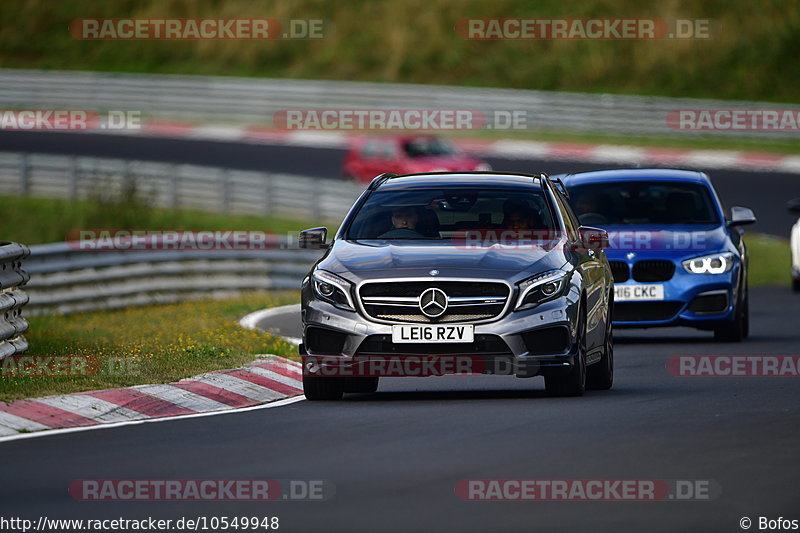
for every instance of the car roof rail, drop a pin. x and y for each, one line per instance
(379, 179)
(560, 184)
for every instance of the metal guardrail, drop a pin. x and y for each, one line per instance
(168, 185)
(255, 100)
(65, 279)
(12, 298)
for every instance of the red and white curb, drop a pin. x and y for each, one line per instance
(506, 149)
(267, 379)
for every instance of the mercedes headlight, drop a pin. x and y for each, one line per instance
(541, 288)
(332, 289)
(709, 264)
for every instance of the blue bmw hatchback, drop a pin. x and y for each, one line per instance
(676, 259)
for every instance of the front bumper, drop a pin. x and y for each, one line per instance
(521, 343)
(700, 301)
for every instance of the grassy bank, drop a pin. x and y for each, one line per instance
(748, 144)
(156, 344)
(751, 48)
(32, 220)
(770, 260)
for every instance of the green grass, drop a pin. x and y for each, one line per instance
(155, 344)
(750, 56)
(750, 144)
(770, 260)
(31, 220)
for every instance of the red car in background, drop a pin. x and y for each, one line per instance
(371, 156)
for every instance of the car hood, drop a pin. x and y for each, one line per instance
(673, 242)
(374, 259)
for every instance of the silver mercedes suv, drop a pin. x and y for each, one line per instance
(450, 273)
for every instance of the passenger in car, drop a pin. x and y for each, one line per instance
(519, 216)
(404, 224)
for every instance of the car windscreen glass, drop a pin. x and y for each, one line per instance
(446, 213)
(642, 202)
(429, 146)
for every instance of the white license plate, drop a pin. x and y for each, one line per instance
(433, 333)
(623, 293)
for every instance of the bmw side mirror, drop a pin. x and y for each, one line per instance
(793, 205)
(593, 238)
(741, 216)
(314, 238)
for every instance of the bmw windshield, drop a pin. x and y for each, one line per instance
(643, 203)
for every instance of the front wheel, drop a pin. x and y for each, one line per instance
(600, 376)
(323, 388)
(739, 328)
(572, 383)
(796, 285)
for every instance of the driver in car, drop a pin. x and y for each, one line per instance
(404, 224)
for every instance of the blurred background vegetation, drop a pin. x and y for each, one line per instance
(752, 56)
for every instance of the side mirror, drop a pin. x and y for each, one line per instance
(314, 238)
(793, 205)
(741, 216)
(593, 238)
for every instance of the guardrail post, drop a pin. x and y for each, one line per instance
(12, 298)
(25, 175)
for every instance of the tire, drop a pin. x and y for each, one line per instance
(572, 383)
(362, 385)
(796, 285)
(600, 376)
(739, 328)
(323, 389)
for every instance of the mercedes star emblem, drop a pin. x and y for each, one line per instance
(433, 302)
(630, 255)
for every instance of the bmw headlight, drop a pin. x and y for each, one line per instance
(541, 288)
(709, 264)
(332, 289)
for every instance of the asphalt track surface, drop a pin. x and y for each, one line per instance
(766, 193)
(395, 456)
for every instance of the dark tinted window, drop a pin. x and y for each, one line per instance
(443, 213)
(429, 146)
(642, 202)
